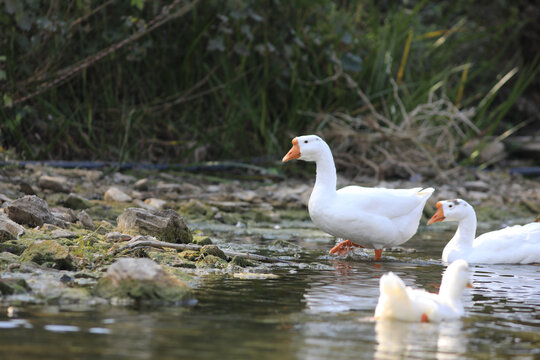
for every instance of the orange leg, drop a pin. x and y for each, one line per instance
(343, 247)
(424, 318)
(378, 254)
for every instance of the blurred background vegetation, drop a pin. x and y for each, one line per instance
(397, 87)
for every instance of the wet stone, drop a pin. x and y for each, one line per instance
(191, 255)
(166, 225)
(13, 286)
(202, 240)
(212, 262)
(143, 281)
(54, 183)
(31, 210)
(157, 204)
(50, 253)
(241, 261)
(212, 250)
(12, 246)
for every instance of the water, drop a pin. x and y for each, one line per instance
(319, 311)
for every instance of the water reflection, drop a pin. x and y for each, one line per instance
(398, 340)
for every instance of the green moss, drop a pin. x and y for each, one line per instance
(212, 250)
(201, 240)
(13, 246)
(195, 208)
(212, 262)
(191, 255)
(48, 253)
(172, 290)
(241, 261)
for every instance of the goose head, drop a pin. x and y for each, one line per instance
(451, 210)
(307, 147)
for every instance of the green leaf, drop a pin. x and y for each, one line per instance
(139, 4)
(7, 100)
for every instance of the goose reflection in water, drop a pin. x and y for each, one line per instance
(399, 340)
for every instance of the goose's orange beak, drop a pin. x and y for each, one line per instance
(294, 153)
(438, 216)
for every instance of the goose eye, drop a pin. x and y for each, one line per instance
(305, 141)
(450, 206)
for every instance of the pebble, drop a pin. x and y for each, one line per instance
(114, 194)
(54, 183)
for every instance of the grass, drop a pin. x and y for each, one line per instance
(237, 80)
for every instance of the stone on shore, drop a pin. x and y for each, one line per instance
(32, 211)
(86, 220)
(54, 183)
(76, 202)
(49, 253)
(9, 229)
(166, 225)
(141, 280)
(114, 194)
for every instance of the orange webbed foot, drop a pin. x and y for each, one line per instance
(378, 254)
(343, 247)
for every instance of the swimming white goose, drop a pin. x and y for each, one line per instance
(512, 245)
(373, 218)
(400, 302)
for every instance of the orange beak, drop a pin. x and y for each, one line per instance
(438, 216)
(470, 286)
(294, 153)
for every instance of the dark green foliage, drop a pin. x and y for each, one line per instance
(239, 78)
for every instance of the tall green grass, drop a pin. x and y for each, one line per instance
(235, 79)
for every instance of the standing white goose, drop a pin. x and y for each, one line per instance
(372, 218)
(512, 245)
(400, 302)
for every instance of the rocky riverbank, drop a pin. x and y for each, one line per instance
(83, 237)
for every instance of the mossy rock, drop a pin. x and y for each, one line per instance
(13, 286)
(142, 280)
(48, 253)
(7, 258)
(190, 255)
(196, 208)
(212, 250)
(201, 240)
(241, 261)
(166, 225)
(212, 262)
(12, 246)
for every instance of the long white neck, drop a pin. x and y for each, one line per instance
(326, 173)
(451, 291)
(466, 230)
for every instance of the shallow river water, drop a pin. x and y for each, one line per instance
(319, 310)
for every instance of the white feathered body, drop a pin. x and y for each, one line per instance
(519, 244)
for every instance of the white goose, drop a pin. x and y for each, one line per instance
(512, 245)
(400, 302)
(372, 218)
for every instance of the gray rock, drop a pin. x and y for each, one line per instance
(115, 236)
(63, 234)
(477, 185)
(9, 230)
(4, 199)
(166, 225)
(141, 280)
(114, 194)
(123, 178)
(26, 188)
(76, 202)
(86, 220)
(54, 183)
(157, 204)
(141, 185)
(50, 253)
(30, 210)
